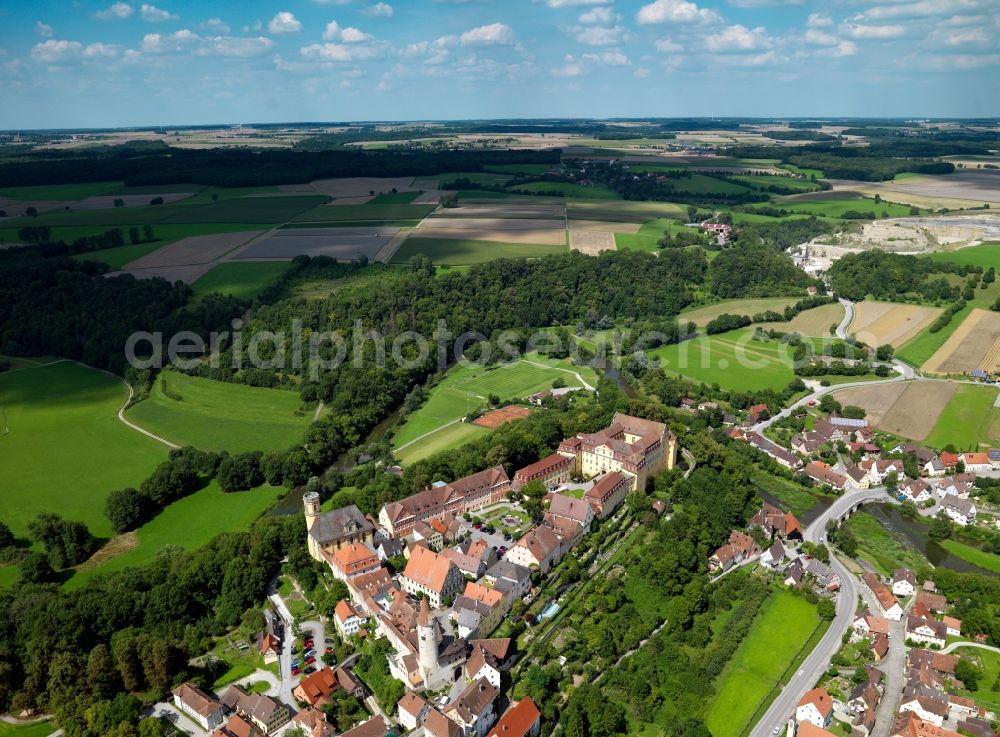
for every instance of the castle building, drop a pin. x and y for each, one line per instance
(328, 532)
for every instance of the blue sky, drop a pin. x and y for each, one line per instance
(125, 63)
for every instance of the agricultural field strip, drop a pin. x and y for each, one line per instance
(975, 343)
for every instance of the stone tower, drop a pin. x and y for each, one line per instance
(311, 502)
(428, 652)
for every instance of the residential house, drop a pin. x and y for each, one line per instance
(864, 697)
(579, 511)
(522, 719)
(904, 582)
(347, 619)
(880, 646)
(329, 531)
(934, 602)
(928, 704)
(467, 494)
(950, 460)
(426, 535)
(824, 475)
(198, 705)
(412, 710)
(926, 631)
(776, 523)
(431, 574)
(826, 578)
(867, 624)
(935, 467)
(269, 647)
(953, 625)
(313, 723)
(974, 726)
(887, 603)
(739, 548)
(774, 556)
(794, 573)
(237, 726)
(953, 486)
(550, 471)
(917, 491)
(816, 708)
(389, 548)
(879, 470)
(756, 413)
(474, 710)
(909, 724)
(266, 713)
(808, 442)
(354, 559)
(488, 659)
(315, 689)
(857, 475)
(808, 729)
(478, 610)
(960, 511)
(780, 455)
(469, 565)
(509, 578)
(539, 548)
(437, 724)
(977, 462)
(607, 493)
(374, 727)
(351, 685)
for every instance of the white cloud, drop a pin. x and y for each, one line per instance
(642, 72)
(841, 49)
(153, 14)
(118, 11)
(599, 35)
(820, 38)
(338, 52)
(738, 38)
(598, 15)
(575, 3)
(969, 36)
(762, 3)
(611, 58)
(668, 46)
(348, 35)
(188, 42)
(675, 11)
(215, 24)
(43, 29)
(819, 20)
(570, 69)
(62, 52)
(964, 61)
(494, 34)
(284, 22)
(253, 27)
(925, 8)
(859, 31)
(55, 52)
(378, 10)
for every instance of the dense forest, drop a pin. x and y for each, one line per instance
(893, 276)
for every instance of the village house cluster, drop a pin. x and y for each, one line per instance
(439, 611)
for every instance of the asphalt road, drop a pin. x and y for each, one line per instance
(818, 660)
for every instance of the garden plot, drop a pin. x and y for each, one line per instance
(974, 344)
(362, 186)
(514, 230)
(338, 243)
(881, 323)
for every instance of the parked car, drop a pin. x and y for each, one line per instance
(478, 525)
(328, 640)
(310, 660)
(309, 670)
(296, 671)
(309, 652)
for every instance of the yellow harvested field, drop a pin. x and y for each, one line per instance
(814, 323)
(604, 225)
(591, 242)
(701, 316)
(908, 409)
(881, 323)
(974, 344)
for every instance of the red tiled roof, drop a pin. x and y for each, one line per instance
(517, 720)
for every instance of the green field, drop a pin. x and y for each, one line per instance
(277, 209)
(567, 189)
(521, 168)
(62, 191)
(917, 351)
(701, 316)
(985, 255)
(394, 198)
(835, 208)
(982, 558)
(969, 421)
(649, 234)
(457, 252)
(38, 729)
(215, 415)
(988, 695)
(732, 360)
(65, 449)
(760, 661)
(244, 279)
(189, 523)
(465, 389)
(368, 211)
(477, 177)
(763, 181)
(622, 211)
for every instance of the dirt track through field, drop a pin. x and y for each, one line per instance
(974, 344)
(591, 242)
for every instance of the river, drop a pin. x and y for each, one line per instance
(915, 533)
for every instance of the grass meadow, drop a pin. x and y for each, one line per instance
(985, 255)
(701, 316)
(877, 545)
(760, 662)
(458, 252)
(835, 208)
(370, 211)
(62, 447)
(62, 191)
(982, 558)
(244, 279)
(188, 523)
(38, 729)
(969, 421)
(215, 415)
(567, 189)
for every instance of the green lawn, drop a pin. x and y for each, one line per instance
(763, 181)
(567, 189)
(985, 255)
(988, 695)
(732, 360)
(456, 252)
(969, 421)
(244, 279)
(38, 729)
(983, 559)
(8, 576)
(189, 523)
(760, 661)
(64, 448)
(61, 191)
(836, 208)
(215, 415)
